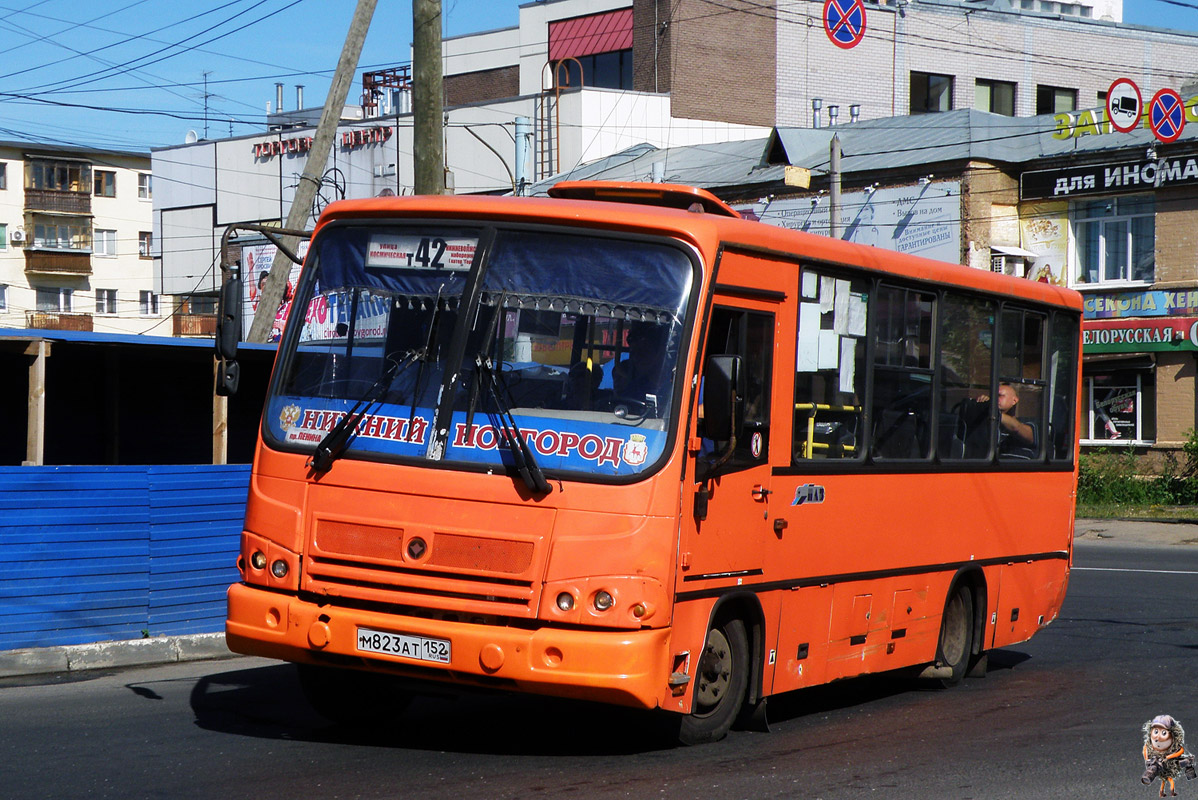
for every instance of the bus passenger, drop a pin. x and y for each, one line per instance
(640, 377)
(1013, 433)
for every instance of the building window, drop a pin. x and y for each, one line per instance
(104, 243)
(1055, 100)
(1115, 240)
(997, 97)
(145, 185)
(3, 175)
(58, 176)
(931, 93)
(1122, 406)
(601, 70)
(148, 304)
(105, 183)
(145, 244)
(3, 297)
(3, 236)
(54, 299)
(105, 301)
(62, 233)
(201, 304)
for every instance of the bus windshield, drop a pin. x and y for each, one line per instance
(439, 340)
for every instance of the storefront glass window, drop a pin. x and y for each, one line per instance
(1122, 404)
(1114, 240)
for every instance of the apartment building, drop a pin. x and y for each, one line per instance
(76, 241)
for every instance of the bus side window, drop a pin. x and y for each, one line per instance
(966, 426)
(750, 335)
(1062, 403)
(902, 399)
(830, 367)
(1021, 385)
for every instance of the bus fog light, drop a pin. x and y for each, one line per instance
(565, 601)
(279, 569)
(603, 601)
(258, 560)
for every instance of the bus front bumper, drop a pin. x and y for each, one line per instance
(629, 668)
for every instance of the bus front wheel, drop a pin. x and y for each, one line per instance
(956, 635)
(721, 679)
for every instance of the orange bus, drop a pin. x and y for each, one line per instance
(619, 444)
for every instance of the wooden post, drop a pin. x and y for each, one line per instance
(220, 421)
(35, 425)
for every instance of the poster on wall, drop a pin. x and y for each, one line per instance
(1044, 230)
(923, 220)
(256, 261)
(1114, 410)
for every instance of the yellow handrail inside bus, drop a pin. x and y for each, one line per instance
(810, 446)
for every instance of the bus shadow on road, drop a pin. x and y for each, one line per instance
(266, 702)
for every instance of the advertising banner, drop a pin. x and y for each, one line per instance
(1140, 335)
(256, 261)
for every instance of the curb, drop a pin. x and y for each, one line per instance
(106, 655)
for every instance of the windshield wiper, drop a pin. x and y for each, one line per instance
(526, 463)
(333, 445)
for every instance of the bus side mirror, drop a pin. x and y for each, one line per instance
(228, 320)
(723, 386)
(228, 376)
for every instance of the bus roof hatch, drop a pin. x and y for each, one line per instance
(671, 195)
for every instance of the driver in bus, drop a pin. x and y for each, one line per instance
(640, 377)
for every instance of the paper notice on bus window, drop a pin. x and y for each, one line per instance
(829, 350)
(827, 293)
(844, 298)
(810, 285)
(420, 252)
(848, 364)
(807, 355)
(857, 308)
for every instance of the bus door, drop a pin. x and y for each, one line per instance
(731, 483)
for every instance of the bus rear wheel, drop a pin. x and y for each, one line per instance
(956, 635)
(351, 697)
(721, 679)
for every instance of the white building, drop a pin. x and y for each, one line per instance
(76, 241)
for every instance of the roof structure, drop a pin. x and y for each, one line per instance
(869, 146)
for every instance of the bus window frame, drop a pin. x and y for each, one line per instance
(870, 465)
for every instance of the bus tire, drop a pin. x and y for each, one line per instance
(351, 697)
(721, 680)
(955, 646)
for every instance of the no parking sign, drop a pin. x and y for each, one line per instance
(1167, 115)
(844, 22)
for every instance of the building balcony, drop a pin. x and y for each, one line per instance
(195, 324)
(57, 262)
(58, 321)
(59, 202)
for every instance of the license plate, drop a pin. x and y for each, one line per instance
(417, 648)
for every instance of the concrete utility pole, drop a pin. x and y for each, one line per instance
(834, 187)
(428, 101)
(318, 156)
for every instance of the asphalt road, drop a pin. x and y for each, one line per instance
(1059, 716)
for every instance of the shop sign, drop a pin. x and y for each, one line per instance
(1095, 122)
(1130, 176)
(1156, 303)
(360, 137)
(278, 147)
(1140, 335)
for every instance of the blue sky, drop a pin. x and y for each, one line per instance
(129, 74)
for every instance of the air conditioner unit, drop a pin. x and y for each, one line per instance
(17, 235)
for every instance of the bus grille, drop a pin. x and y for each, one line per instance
(458, 572)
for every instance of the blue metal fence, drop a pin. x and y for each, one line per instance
(92, 554)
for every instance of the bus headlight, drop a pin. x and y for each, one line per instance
(565, 601)
(279, 569)
(258, 560)
(603, 600)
